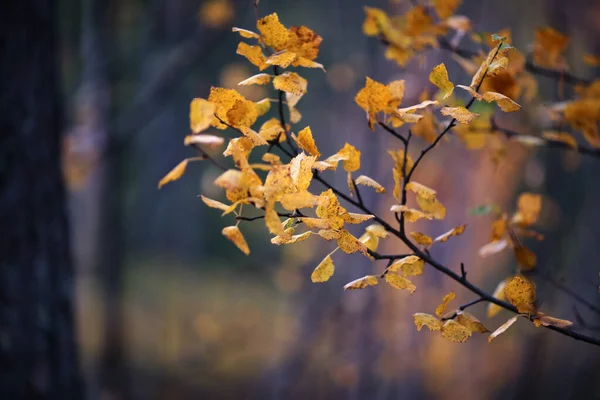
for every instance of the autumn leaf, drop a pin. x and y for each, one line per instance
(407, 266)
(214, 203)
(272, 32)
(439, 77)
(201, 114)
(563, 137)
(546, 320)
(529, 207)
(427, 200)
(493, 247)
(494, 309)
(461, 114)
(525, 257)
(210, 141)
(174, 174)
(549, 47)
(323, 271)
(421, 238)
(349, 244)
(373, 98)
(520, 292)
(459, 230)
(470, 322)
(290, 82)
(366, 181)
(445, 8)
(428, 320)
(455, 332)
(234, 234)
(361, 283)
(306, 142)
(505, 103)
(254, 54)
(410, 214)
(441, 309)
(400, 282)
(246, 33)
(258, 79)
(285, 239)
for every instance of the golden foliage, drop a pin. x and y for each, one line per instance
(234, 234)
(441, 309)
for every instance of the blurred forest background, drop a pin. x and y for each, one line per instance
(166, 308)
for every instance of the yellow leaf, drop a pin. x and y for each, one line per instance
(258, 79)
(366, 181)
(272, 220)
(349, 244)
(361, 283)
(502, 328)
(529, 206)
(461, 114)
(525, 257)
(290, 82)
(549, 46)
(214, 203)
(408, 266)
(563, 137)
(410, 214)
(482, 71)
(356, 218)
(284, 239)
(441, 309)
(234, 234)
(428, 320)
(351, 157)
(315, 223)
(210, 141)
(373, 98)
(493, 309)
(493, 247)
(272, 130)
(283, 58)
(233, 108)
(470, 321)
(455, 332)
(421, 238)
(591, 59)
(329, 234)
(254, 54)
(398, 157)
(375, 20)
(301, 199)
(306, 142)
(445, 8)
(397, 89)
(400, 282)
(377, 230)
(202, 113)
(505, 103)
(272, 32)
(498, 228)
(174, 174)
(427, 200)
(301, 170)
(246, 33)
(305, 43)
(453, 232)
(471, 91)
(439, 77)
(263, 107)
(324, 270)
(520, 291)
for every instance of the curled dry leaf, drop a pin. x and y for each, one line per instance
(441, 309)
(502, 328)
(323, 271)
(202, 113)
(284, 239)
(455, 332)
(410, 214)
(459, 230)
(306, 142)
(505, 103)
(361, 283)
(234, 234)
(546, 320)
(366, 181)
(246, 33)
(428, 320)
(258, 79)
(210, 141)
(493, 247)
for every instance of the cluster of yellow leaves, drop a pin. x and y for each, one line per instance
(506, 231)
(407, 35)
(457, 325)
(582, 113)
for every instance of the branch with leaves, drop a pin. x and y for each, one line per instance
(280, 184)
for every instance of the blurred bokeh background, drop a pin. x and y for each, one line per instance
(168, 309)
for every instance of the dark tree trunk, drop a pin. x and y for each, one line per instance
(37, 346)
